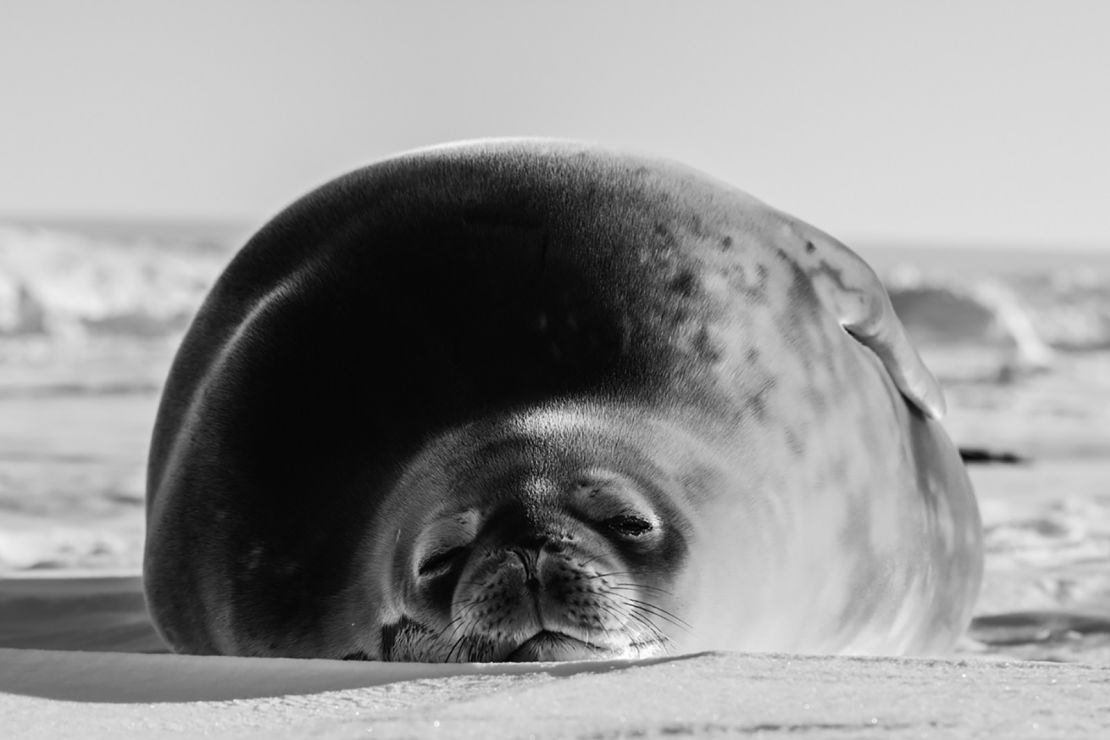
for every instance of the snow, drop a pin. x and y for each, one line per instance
(93, 695)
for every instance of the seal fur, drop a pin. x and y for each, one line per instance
(520, 400)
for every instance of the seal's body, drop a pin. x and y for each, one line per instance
(526, 400)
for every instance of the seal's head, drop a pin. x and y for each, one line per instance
(551, 535)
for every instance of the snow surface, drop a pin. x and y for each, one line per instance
(103, 695)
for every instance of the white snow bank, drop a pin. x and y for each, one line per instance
(62, 695)
(87, 685)
(128, 677)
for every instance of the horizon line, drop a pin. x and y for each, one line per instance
(232, 227)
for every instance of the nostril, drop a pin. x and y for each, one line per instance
(527, 558)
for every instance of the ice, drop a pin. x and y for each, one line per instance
(69, 286)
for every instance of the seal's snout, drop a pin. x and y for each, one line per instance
(537, 604)
(563, 565)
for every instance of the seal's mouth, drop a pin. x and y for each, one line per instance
(556, 646)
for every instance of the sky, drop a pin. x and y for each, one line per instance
(976, 123)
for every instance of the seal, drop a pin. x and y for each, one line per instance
(538, 400)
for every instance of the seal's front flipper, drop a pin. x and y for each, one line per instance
(878, 328)
(852, 290)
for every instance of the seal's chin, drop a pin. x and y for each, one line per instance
(555, 646)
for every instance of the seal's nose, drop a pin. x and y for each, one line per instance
(530, 548)
(533, 528)
(528, 559)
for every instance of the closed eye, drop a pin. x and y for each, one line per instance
(440, 562)
(628, 525)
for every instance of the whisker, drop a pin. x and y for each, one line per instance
(656, 611)
(611, 611)
(453, 627)
(636, 614)
(458, 646)
(584, 563)
(612, 573)
(459, 623)
(652, 628)
(653, 608)
(665, 616)
(640, 587)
